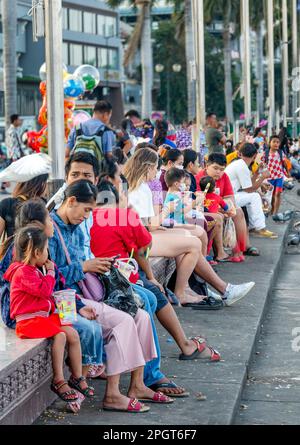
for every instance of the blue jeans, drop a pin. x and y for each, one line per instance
(152, 373)
(91, 340)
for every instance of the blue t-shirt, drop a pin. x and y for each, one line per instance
(90, 128)
(178, 215)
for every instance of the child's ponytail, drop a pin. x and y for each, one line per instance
(27, 240)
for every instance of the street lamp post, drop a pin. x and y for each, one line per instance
(55, 95)
(176, 68)
(295, 61)
(246, 59)
(271, 72)
(285, 60)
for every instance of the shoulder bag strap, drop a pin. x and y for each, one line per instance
(62, 243)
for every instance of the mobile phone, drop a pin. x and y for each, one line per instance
(114, 258)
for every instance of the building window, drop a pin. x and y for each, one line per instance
(89, 21)
(66, 53)
(76, 58)
(90, 55)
(101, 25)
(108, 58)
(75, 20)
(107, 25)
(111, 26)
(65, 18)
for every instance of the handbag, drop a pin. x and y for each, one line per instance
(119, 293)
(91, 286)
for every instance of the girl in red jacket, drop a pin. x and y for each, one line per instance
(32, 306)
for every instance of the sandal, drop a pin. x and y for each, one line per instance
(168, 385)
(95, 371)
(75, 384)
(158, 397)
(74, 407)
(67, 396)
(208, 304)
(252, 251)
(134, 406)
(201, 346)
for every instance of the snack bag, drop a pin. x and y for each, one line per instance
(66, 306)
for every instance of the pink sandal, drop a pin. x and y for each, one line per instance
(158, 397)
(134, 406)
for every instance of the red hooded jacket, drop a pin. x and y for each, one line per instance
(30, 291)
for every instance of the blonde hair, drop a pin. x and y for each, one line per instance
(137, 167)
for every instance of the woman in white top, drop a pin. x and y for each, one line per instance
(185, 248)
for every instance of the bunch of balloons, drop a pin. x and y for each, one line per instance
(84, 79)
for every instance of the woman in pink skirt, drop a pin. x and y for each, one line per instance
(128, 341)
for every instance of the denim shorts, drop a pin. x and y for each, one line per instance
(162, 300)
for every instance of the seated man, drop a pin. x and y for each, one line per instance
(295, 172)
(245, 189)
(216, 169)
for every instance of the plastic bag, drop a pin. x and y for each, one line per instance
(229, 236)
(66, 305)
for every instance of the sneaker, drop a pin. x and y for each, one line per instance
(264, 233)
(235, 292)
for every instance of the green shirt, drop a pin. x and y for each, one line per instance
(213, 140)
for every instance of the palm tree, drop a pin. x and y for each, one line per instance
(142, 36)
(9, 23)
(229, 10)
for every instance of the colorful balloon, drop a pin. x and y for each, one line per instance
(73, 87)
(89, 75)
(43, 71)
(80, 116)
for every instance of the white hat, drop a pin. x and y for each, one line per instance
(27, 168)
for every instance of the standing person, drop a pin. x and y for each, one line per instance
(99, 122)
(214, 138)
(245, 190)
(13, 140)
(275, 160)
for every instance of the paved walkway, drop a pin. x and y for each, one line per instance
(272, 392)
(232, 331)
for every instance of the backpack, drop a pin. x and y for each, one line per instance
(90, 144)
(5, 290)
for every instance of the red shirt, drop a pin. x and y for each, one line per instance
(213, 202)
(30, 290)
(117, 231)
(223, 184)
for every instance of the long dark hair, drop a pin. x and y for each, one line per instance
(35, 188)
(162, 132)
(27, 240)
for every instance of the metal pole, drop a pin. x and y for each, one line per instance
(271, 72)
(55, 95)
(285, 62)
(168, 96)
(198, 29)
(247, 60)
(295, 61)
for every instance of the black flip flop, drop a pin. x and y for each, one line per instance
(208, 304)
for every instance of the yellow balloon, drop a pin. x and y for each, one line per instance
(65, 74)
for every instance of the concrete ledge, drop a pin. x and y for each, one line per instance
(25, 373)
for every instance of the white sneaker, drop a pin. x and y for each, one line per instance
(235, 292)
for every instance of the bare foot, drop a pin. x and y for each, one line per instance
(116, 401)
(170, 391)
(141, 392)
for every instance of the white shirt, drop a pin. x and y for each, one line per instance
(141, 200)
(239, 175)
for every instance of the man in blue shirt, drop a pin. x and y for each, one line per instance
(295, 165)
(100, 120)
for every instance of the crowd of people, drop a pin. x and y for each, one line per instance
(131, 195)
